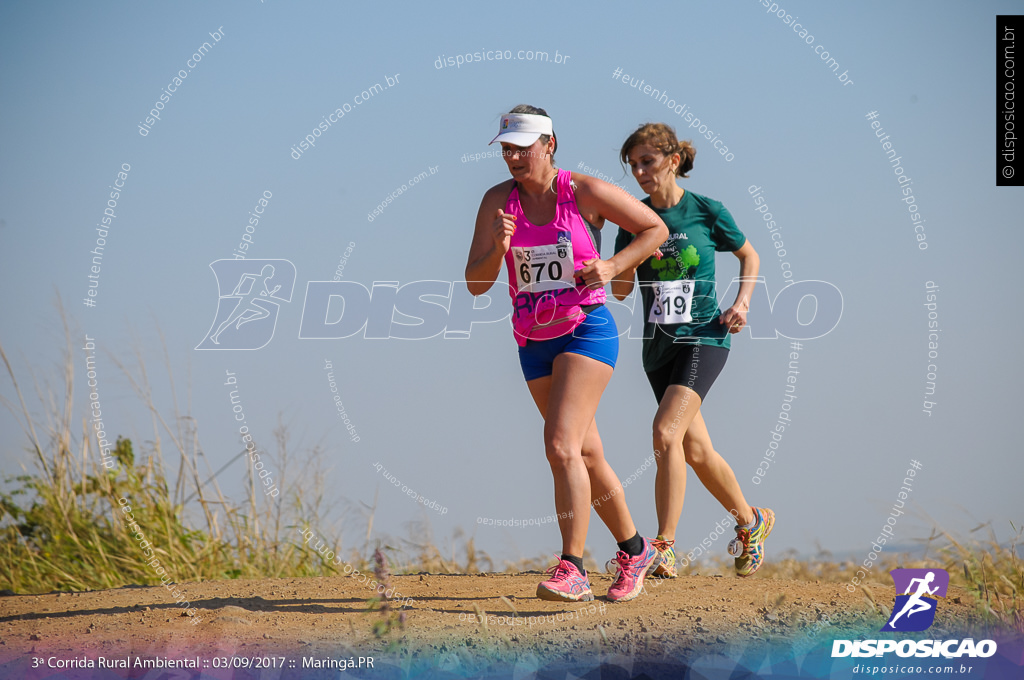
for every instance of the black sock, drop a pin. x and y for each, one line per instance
(578, 561)
(633, 546)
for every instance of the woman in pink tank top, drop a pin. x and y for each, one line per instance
(542, 225)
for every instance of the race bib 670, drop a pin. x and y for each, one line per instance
(540, 268)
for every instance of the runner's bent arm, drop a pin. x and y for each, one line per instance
(491, 239)
(749, 265)
(599, 201)
(622, 284)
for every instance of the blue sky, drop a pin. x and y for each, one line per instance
(452, 418)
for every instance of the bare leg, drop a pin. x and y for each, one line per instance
(607, 494)
(677, 409)
(712, 470)
(568, 400)
(681, 438)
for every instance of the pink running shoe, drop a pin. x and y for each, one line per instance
(629, 582)
(566, 584)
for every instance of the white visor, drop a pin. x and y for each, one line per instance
(522, 129)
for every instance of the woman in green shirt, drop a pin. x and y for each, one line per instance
(686, 337)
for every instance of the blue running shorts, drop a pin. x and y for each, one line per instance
(597, 337)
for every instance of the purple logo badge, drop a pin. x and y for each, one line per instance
(914, 609)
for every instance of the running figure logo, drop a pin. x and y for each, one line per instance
(915, 608)
(247, 315)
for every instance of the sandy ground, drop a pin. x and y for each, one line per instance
(320, 617)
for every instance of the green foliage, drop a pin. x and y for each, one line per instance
(67, 532)
(689, 258)
(666, 268)
(670, 268)
(123, 453)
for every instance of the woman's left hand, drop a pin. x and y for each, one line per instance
(735, 318)
(596, 273)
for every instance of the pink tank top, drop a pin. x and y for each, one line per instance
(541, 261)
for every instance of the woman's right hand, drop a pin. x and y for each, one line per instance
(492, 238)
(503, 228)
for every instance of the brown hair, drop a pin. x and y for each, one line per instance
(663, 138)
(526, 108)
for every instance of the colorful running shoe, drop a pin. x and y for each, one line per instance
(566, 584)
(667, 568)
(629, 582)
(748, 546)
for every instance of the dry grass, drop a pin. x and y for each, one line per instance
(60, 522)
(988, 568)
(61, 529)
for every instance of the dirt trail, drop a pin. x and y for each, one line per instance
(327, 616)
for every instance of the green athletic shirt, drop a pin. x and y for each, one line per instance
(697, 226)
